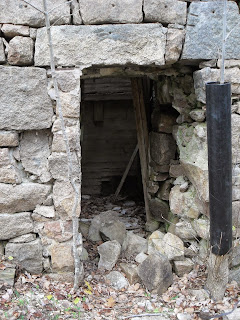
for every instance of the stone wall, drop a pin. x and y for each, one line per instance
(171, 42)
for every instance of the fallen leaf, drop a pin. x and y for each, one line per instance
(49, 297)
(75, 301)
(10, 258)
(110, 302)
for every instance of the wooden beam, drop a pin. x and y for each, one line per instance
(142, 135)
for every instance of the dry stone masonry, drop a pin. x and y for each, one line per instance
(176, 44)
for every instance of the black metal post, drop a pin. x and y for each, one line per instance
(219, 165)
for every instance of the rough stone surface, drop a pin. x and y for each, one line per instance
(184, 204)
(11, 30)
(202, 226)
(58, 144)
(28, 255)
(8, 139)
(63, 198)
(236, 214)
(20, 51)
(61, 257)
(204, 31)
(131, 272)
(156, 273)
(34, 153)
(15, 12)
(198, 115)
(24, 238)
(159, 209)
(152, 225)
(141, 257)
(2, 53)
(109, 253)
(9, 172)
(111, 11)
(77, 19)
(115, 230)
(162, 148)
(99, 221)
(45, 211)
(212, 75)
(235, 140)
(58, 230)
(164, 190)
(133, 245)
(173, 246)
(84, 45)
(58, 165)
(26, 105)
(165, 11)
(176, 170)
(185, 230)
(117, 280)
(23, 197)
(14, 225)
(162, 122)
(183, 267)
(175, 39)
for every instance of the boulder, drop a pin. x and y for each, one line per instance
(2, 52)
(175, 39)
(139, 44)
(62, 257)
(173, 247)
(8, 139)
(159, 209)
(109, 253)
(14, 225)
(162, 148)
(165, 11)
(114, 230)
(23, 197)
(27, 255)
(20, 52)
(26, 105)
(15, 12)
(116, 280)
(133, 245)
(204, 31)
(131, 272)
(34, 153)
(12, 30)
(9, 172)
(156, 273)
(99, 221)
(111, 11)
(183, 267)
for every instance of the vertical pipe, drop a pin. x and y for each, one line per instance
(219, 165)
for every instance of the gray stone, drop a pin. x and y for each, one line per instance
(131, 272)
(23, 197)
(133, 245)
(165, 11)
(192, 250)
(236, 214)
(208, 63)
(27, 255)
(84, 255)
(185, 230)
(152, 225)
(77, 19)
(12, 30)
(63, 198)
(162, 148)
(164, 190)
(202, 226)
(34, 153)
(152, 187)
(84, 228)
(117, 280)
(14, 225)
(228, 63)
(235, 139)
(15, 12)
(204, 31)
(234, 315)
(175, 39)
(235, 256)
(114, 230)
(141, 257)
(184, 204)
(212, 75)
(9, 172)
(8, 139)
(162, 122)
(173, 247)
(159, 209)
(156, 273)
(198, 115)
(58, 144)
(111, 11)
(58, 165)
(62, 257)
(7, 276)
(20, 51)
(176, 170)
(234, 275)
(183, 267)
(89, 45)
(26, 105)
(24, 238)
(45, 211)
(99, 221)
(200, 294)
(2, 52)
(109, 253)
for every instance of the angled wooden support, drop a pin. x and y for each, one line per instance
(142, 135)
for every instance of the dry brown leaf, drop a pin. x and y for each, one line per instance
(110, 302)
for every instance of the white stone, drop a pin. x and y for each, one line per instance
(202, 226)
(228, 63)
(109, 253)
(111, 11)
(26, 104)
(9, 172)
(20, 51)
(8, 139)
(165, 11)
(173, 247)
(58, 165)
(18, 12)
(184, 230)
(24, 238)
(133, 245)
(2, 52)
(14, 225)
(12, 30)
(77, 19)
(139, 44)
(183, 267)
(45, 211)
(141, 257)
(175, 39)
(117, 280)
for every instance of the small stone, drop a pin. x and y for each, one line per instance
(152, 187)
(152, 225)
(175, 39)
(86, 197)
(198, 115)
(184, 187)
(117, 280)
(2, 52)
(185, 230)
(24, 239)
(131, 272)
(8, 139)
(173, 247)
(159, 209)
(61, 257)
(84, 255)
(162, 148)
(184, 316)
(45, 211)
(115, 230)
(156, 235)
(202, 226)
(84, 228)
(129, 203)
(183, 267)
(164, 190)
(12, 30)
(109, 253)
(176, 170)
(133, 244)
(58, 230)
(20, 51)
(7, 276)
(141, 257)
(209, 63)
(200, 294)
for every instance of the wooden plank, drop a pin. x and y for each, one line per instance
(142, 135)
(98, 112)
